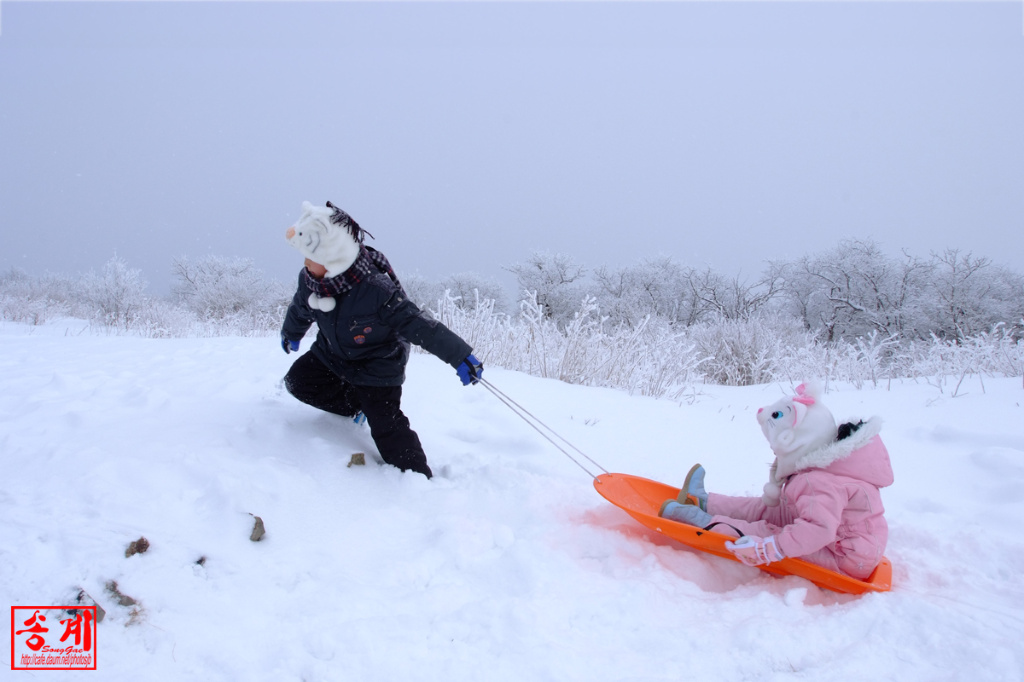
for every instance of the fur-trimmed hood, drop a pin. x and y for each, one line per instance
(861, 455)
(836, 450)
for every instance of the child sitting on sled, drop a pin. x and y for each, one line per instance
(822, 502)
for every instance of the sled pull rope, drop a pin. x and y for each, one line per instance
(536, 423)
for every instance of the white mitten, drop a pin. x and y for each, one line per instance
(754, 551)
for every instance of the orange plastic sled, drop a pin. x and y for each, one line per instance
(641, 498)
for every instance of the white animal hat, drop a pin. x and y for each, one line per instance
(328, 236)
(796, 426)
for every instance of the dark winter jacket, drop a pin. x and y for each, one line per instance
(365, 338)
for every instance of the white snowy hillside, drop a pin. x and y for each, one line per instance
(507, 565)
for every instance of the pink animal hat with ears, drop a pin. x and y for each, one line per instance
(795, 426)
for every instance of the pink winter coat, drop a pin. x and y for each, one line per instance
(829, 510)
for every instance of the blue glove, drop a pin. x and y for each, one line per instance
(287, 345)
(470, 371)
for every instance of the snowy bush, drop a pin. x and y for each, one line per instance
(115, 300)
(116, 295)
(422, 291)
(470, 290)
(965, 296)
(656, 358)
(661, 288)
(744, 352)
(585, 351)
(994, 353)
(32, 300)
(648, 359)
(467, 290)
(555, 279)
(164, 319)
(230, 289)
(655, 287)
(656, 329)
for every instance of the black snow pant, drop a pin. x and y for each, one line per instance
(312, 382)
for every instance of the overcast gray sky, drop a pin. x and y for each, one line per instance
(467, 135)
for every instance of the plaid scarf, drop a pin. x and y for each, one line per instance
(369, 261)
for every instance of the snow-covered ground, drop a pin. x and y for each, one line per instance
(508, 565)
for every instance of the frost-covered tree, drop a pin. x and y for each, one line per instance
(968, 295)
(557, 281)
(854, 289)
(422, 291)
(216, 287)
(35, 299)
(654, 287)
(731, 298)
(469, 288)
(116, 295)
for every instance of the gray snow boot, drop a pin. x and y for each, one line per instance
(693, 491)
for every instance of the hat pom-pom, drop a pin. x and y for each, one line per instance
(325, 304)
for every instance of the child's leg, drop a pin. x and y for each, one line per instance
(858, 557)
(727, 525)
(824, 558)
(746, 508)
(750, 516)
(397, 442)
(312, 382)
(735, 515)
